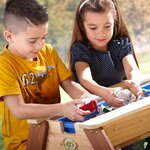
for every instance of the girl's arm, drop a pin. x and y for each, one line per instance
(22, 110)
(75, 90)
(86, 80)
(133, 74)
(131, 69)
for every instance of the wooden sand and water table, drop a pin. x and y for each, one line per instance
(109, 131)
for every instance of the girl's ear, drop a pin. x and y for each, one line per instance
(8, 36)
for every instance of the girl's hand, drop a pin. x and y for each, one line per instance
(71, 110)
(134, 88)
(110, 98)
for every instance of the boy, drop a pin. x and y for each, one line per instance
(31, 72)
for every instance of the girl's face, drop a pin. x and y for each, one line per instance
(99, 28)
(27, 44)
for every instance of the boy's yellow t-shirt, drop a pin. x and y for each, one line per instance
(38, 82)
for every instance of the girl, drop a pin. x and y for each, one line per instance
(31, 73)
(101, 52)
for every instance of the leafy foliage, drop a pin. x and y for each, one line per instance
(61, 13)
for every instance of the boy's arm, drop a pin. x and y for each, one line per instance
(22, 110)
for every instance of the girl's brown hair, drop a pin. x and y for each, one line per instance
(98, 6)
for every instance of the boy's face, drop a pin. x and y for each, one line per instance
(27, 44)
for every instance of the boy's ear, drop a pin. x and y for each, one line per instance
(8, 36)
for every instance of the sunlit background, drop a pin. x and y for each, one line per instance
(61, 12)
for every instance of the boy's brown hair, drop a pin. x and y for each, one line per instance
(24, 11)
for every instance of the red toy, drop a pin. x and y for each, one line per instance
(91, 106)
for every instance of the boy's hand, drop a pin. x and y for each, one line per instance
(72, 111)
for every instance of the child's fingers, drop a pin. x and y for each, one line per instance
(79, 115)
(83, 112)
(119, 102)
(138, 97)
(129, 82)
(78, 101)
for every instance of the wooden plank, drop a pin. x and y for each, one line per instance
(125, 125)
(37, 136)
(60, 140)
(116, 114)
(129, 129)
(145, 79)
(98, 139)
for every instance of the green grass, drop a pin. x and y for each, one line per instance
(1, 138)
